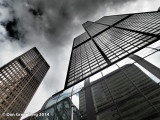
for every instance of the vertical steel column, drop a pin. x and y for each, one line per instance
(91, 113)
(72, 106)
(102, 53)
(147, 65)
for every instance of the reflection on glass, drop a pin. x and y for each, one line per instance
(60, 111)
(125, 61)
(82, 105)
(121, 94)
(75, 100)
(154, 59)
(155, 45)
(48, 114)
(95, 77)
(78, 87)
(110, 114)
(65, 94)
(144, 52)
(109, 69)
(101, 96)
(136, 108)
(51, 101)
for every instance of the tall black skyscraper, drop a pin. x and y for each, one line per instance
(19, 80)
(114, 70)
(109, 40)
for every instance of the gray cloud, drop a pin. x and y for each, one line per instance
(52, 31)
(59, 16)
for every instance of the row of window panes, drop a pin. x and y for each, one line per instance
(78, 40)
(110, 20)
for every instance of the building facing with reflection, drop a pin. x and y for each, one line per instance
(59, 111)
(114, 70)
(19, 80)
(127, 93)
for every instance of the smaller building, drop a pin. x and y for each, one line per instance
(19, 80)
(58, 111)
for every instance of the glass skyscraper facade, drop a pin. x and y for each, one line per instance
(109, 40)
(19, 80)
(114, 71)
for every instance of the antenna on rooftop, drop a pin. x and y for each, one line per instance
(159, 9)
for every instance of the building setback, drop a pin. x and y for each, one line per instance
(124, 51)
(19, 80)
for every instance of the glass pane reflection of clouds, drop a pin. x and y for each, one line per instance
(65, 94)
(78, 87)
(52, 101)
(109, 69)
(95, 77)
(125, 61)
(75, 100)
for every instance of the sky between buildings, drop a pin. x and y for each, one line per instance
(51, 26)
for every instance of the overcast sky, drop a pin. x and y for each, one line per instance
(51, 26)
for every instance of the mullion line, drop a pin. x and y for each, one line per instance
(114, 43)
(99, 49)
(87, 58)
(127, 36)
(107, 47)
(94, 56)
(144, 33)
